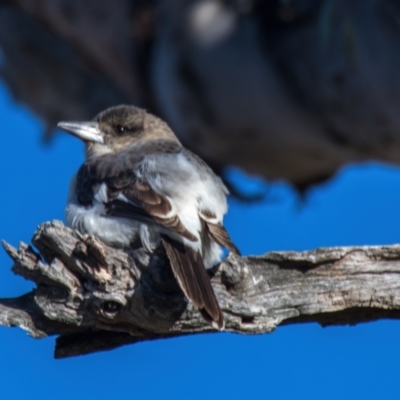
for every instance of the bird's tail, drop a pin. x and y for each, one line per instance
(188, 268)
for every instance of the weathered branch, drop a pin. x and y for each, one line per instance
(97, 298)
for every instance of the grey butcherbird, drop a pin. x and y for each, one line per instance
(138, 181)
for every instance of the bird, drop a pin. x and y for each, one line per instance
(139, 183)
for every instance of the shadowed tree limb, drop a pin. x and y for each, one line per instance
(242, 83)
(97, 298)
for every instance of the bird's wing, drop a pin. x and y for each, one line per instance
(217, 232)
(215, 229)
(138, 201)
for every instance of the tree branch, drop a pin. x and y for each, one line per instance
(98, 298)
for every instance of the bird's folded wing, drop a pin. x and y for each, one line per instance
(138, 201)
(220, 236)
(217, 232)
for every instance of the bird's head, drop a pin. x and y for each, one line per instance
(116, 128)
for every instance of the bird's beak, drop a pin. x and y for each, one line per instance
(87, 131)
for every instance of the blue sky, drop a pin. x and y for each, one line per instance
(358, 206)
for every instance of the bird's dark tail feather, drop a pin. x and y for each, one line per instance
(188, 268)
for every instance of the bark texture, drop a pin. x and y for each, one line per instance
(97, 298)
(286, 89)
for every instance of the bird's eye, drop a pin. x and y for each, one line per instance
(120, 129)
